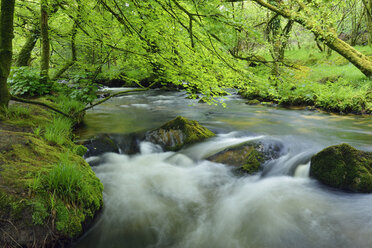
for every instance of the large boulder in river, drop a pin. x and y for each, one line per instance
(343, 167)
(176, 133)
(249, 157)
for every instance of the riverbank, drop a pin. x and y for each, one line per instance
(314, 79)
(48, 193)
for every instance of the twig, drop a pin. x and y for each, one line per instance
(11, 238)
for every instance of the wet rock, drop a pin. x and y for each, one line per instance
(128, 143)
(253, 102)
(173, 135)
(101, 144)
(249, 156)
(343, 167)
(117, 143)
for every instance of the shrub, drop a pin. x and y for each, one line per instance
(25, 81)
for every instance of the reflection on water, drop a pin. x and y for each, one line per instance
(147, 110)
(166, 199)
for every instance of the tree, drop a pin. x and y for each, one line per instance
(300, 12)
(6, 37)
(324, 32)
(45, 51)
(368, 8)
(24, 55)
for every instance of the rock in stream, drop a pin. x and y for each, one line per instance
(343, 167)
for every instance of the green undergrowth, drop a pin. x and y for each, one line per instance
(44, 181)
(327, 82)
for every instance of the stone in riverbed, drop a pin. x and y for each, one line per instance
(343, 167)
(116, 143)
(100, 144)
(249, 156)
(175, 134)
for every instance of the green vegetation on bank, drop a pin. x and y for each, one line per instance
(313, 78)
(47, 191)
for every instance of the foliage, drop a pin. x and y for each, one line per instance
(323, 83)
(17, 112)
(65, 180)
(58, 131)
(81, 91)
(24, 81)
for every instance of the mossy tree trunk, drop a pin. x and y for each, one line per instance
(45, 47)
(327, 35)
(368, 8)
(6, 37)
(73, 52)
(24, 55)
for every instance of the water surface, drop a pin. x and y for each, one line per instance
(167, 199)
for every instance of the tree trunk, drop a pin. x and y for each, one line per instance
(45, 49)
(73, 53)
(6, 37)
(328, 36)
(24, 56)
(368, 8)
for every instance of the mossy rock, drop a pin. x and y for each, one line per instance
(32, 211)
(175, 134)
(253, 102)
(343, 167)
(248, 157)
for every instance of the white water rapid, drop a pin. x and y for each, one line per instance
(164, 199)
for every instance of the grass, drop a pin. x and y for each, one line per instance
(58, 131)
(327, 82)
(64, 180)
(17, 112)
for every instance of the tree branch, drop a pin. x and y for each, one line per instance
(111, 96)
(18, 99)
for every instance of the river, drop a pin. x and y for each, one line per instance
(166, 199)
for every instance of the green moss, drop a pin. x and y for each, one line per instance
(26, 115)
(39, 211)
(80, 150)
(343, 167)
(246, 157)
(30, 192)
(253, 102)
(11, 205)
(253, 161)
(193, 131)
(68, 221)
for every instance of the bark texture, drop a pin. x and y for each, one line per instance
(24, 56)
(6, 37)
(45, 51)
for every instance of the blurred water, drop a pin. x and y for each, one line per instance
(167, 199)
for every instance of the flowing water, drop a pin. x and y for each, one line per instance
(167, 199)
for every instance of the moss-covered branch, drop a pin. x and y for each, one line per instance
(18, 99)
